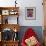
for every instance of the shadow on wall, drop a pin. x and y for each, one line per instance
(37, 29)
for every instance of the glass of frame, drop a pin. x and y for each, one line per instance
(30, 13)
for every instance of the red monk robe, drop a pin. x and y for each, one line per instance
(30, 35)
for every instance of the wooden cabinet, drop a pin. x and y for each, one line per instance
(9, 23)
(10, 43)
(44, 6)
(7, 13)
(44, 37)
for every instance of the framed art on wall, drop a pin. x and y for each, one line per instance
(5, 12)
(30, 13)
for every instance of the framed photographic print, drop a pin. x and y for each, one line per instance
(5, 12)
(30, 13)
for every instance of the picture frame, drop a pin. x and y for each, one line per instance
(5, 12)
(30, 13)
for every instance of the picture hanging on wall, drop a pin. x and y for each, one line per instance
(30, 13)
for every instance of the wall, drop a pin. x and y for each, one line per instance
(25, 3)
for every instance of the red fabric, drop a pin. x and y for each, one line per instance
(29, 33)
